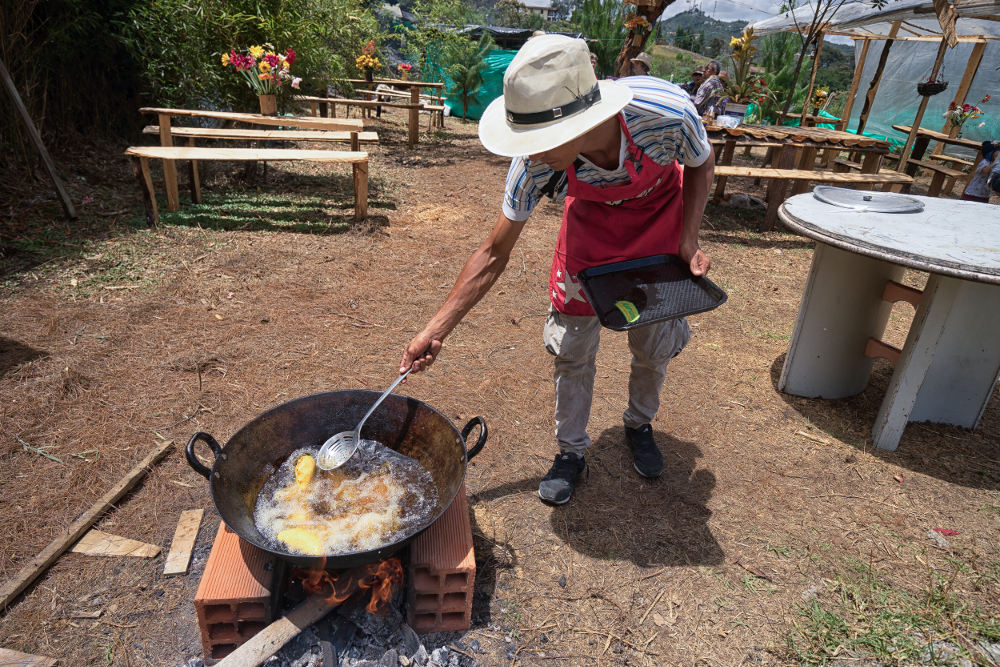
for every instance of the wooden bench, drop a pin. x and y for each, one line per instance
(779, 178)
(940, 172)
(431, 104)
(239, 134)
(944, 157)
(141, 155)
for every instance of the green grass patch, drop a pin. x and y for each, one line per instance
(862, 616)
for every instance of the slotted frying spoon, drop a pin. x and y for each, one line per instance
(339, 448)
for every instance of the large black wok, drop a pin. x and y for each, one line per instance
(404, 424)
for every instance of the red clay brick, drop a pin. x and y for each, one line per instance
(233, 598)
(442, 572)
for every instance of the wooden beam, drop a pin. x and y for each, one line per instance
(904, 154)
(975, 58)
(10, 658)
(414, 120)
(855, 82)
(49, 554)
(876, 78)
(36, 139)
(268, 641)
(99, 543)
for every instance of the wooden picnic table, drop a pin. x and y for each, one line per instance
(795, 149)
(413, 124)
(166, 137)
(924, 138)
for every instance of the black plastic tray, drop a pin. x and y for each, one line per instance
(631, 294)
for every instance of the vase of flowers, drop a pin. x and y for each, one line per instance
(959, 115)
(265, 71)
(368, 62)
(404, 70)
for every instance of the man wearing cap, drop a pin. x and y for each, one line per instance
(710, 91)
(691, 87)
(613, 150)
(641, 64)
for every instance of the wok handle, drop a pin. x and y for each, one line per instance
(198, 466)
(467, 429)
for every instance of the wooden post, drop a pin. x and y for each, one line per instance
(846, 115)
(727, 158)
(140, 166)
(37, 140)
(975, 58)
(812, 80)
(876, 78)
(942, 47)
(193, 173)
(169, 167)
(360, 190)
(414, 129)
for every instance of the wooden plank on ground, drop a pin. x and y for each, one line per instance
(11, 658)
(48, 555)
(183, 542)
(99, 543)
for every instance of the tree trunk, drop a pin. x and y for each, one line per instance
(635, 38)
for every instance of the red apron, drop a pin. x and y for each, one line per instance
(615, 223)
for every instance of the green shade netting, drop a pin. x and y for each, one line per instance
(492, 88)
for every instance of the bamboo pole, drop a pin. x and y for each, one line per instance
(877, 78)
(855, 82)
(36, 139)
(942, 48)
(812, 79)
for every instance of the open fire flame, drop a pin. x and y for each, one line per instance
(381, 578)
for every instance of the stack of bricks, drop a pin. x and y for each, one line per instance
(442, 572)
(233, 602)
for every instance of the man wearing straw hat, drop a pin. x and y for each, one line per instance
(613, 149)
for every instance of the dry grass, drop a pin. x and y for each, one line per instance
(766, 501)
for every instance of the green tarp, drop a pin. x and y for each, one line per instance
(492, 88)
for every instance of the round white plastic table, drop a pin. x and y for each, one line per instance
(951, 359)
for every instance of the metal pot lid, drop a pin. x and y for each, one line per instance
(863, 200)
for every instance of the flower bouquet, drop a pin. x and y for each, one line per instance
(265, 72)
(368, 62)
(740, 89)
(959, 115)
(404, 70)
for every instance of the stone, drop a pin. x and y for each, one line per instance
(420, 656)
(389, 659)
(411, 642)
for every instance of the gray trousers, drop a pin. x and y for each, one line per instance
(574, 341)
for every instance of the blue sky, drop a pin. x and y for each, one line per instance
(727, 10)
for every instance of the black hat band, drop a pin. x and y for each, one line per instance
(579, 104)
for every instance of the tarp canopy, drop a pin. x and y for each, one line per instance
(912, 59)
(861, 19)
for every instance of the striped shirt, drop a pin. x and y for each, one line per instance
(663, 123)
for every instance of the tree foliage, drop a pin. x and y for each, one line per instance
(512, 14)
(437, 33)
(465, 69)
(601, 21)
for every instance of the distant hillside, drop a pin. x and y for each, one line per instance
(696, 22)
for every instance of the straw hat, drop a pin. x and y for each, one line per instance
(644, 59)
(551, 96)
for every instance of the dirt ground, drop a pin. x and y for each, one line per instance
(772, 509)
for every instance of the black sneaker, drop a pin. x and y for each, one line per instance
(648, 459)
(557, 486)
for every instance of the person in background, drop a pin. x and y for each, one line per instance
(691, 87)
(709, 93)
(593, 62)
(641, 64)
(632, 163)
(985, 176)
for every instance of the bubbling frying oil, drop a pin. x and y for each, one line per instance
(378, 497)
